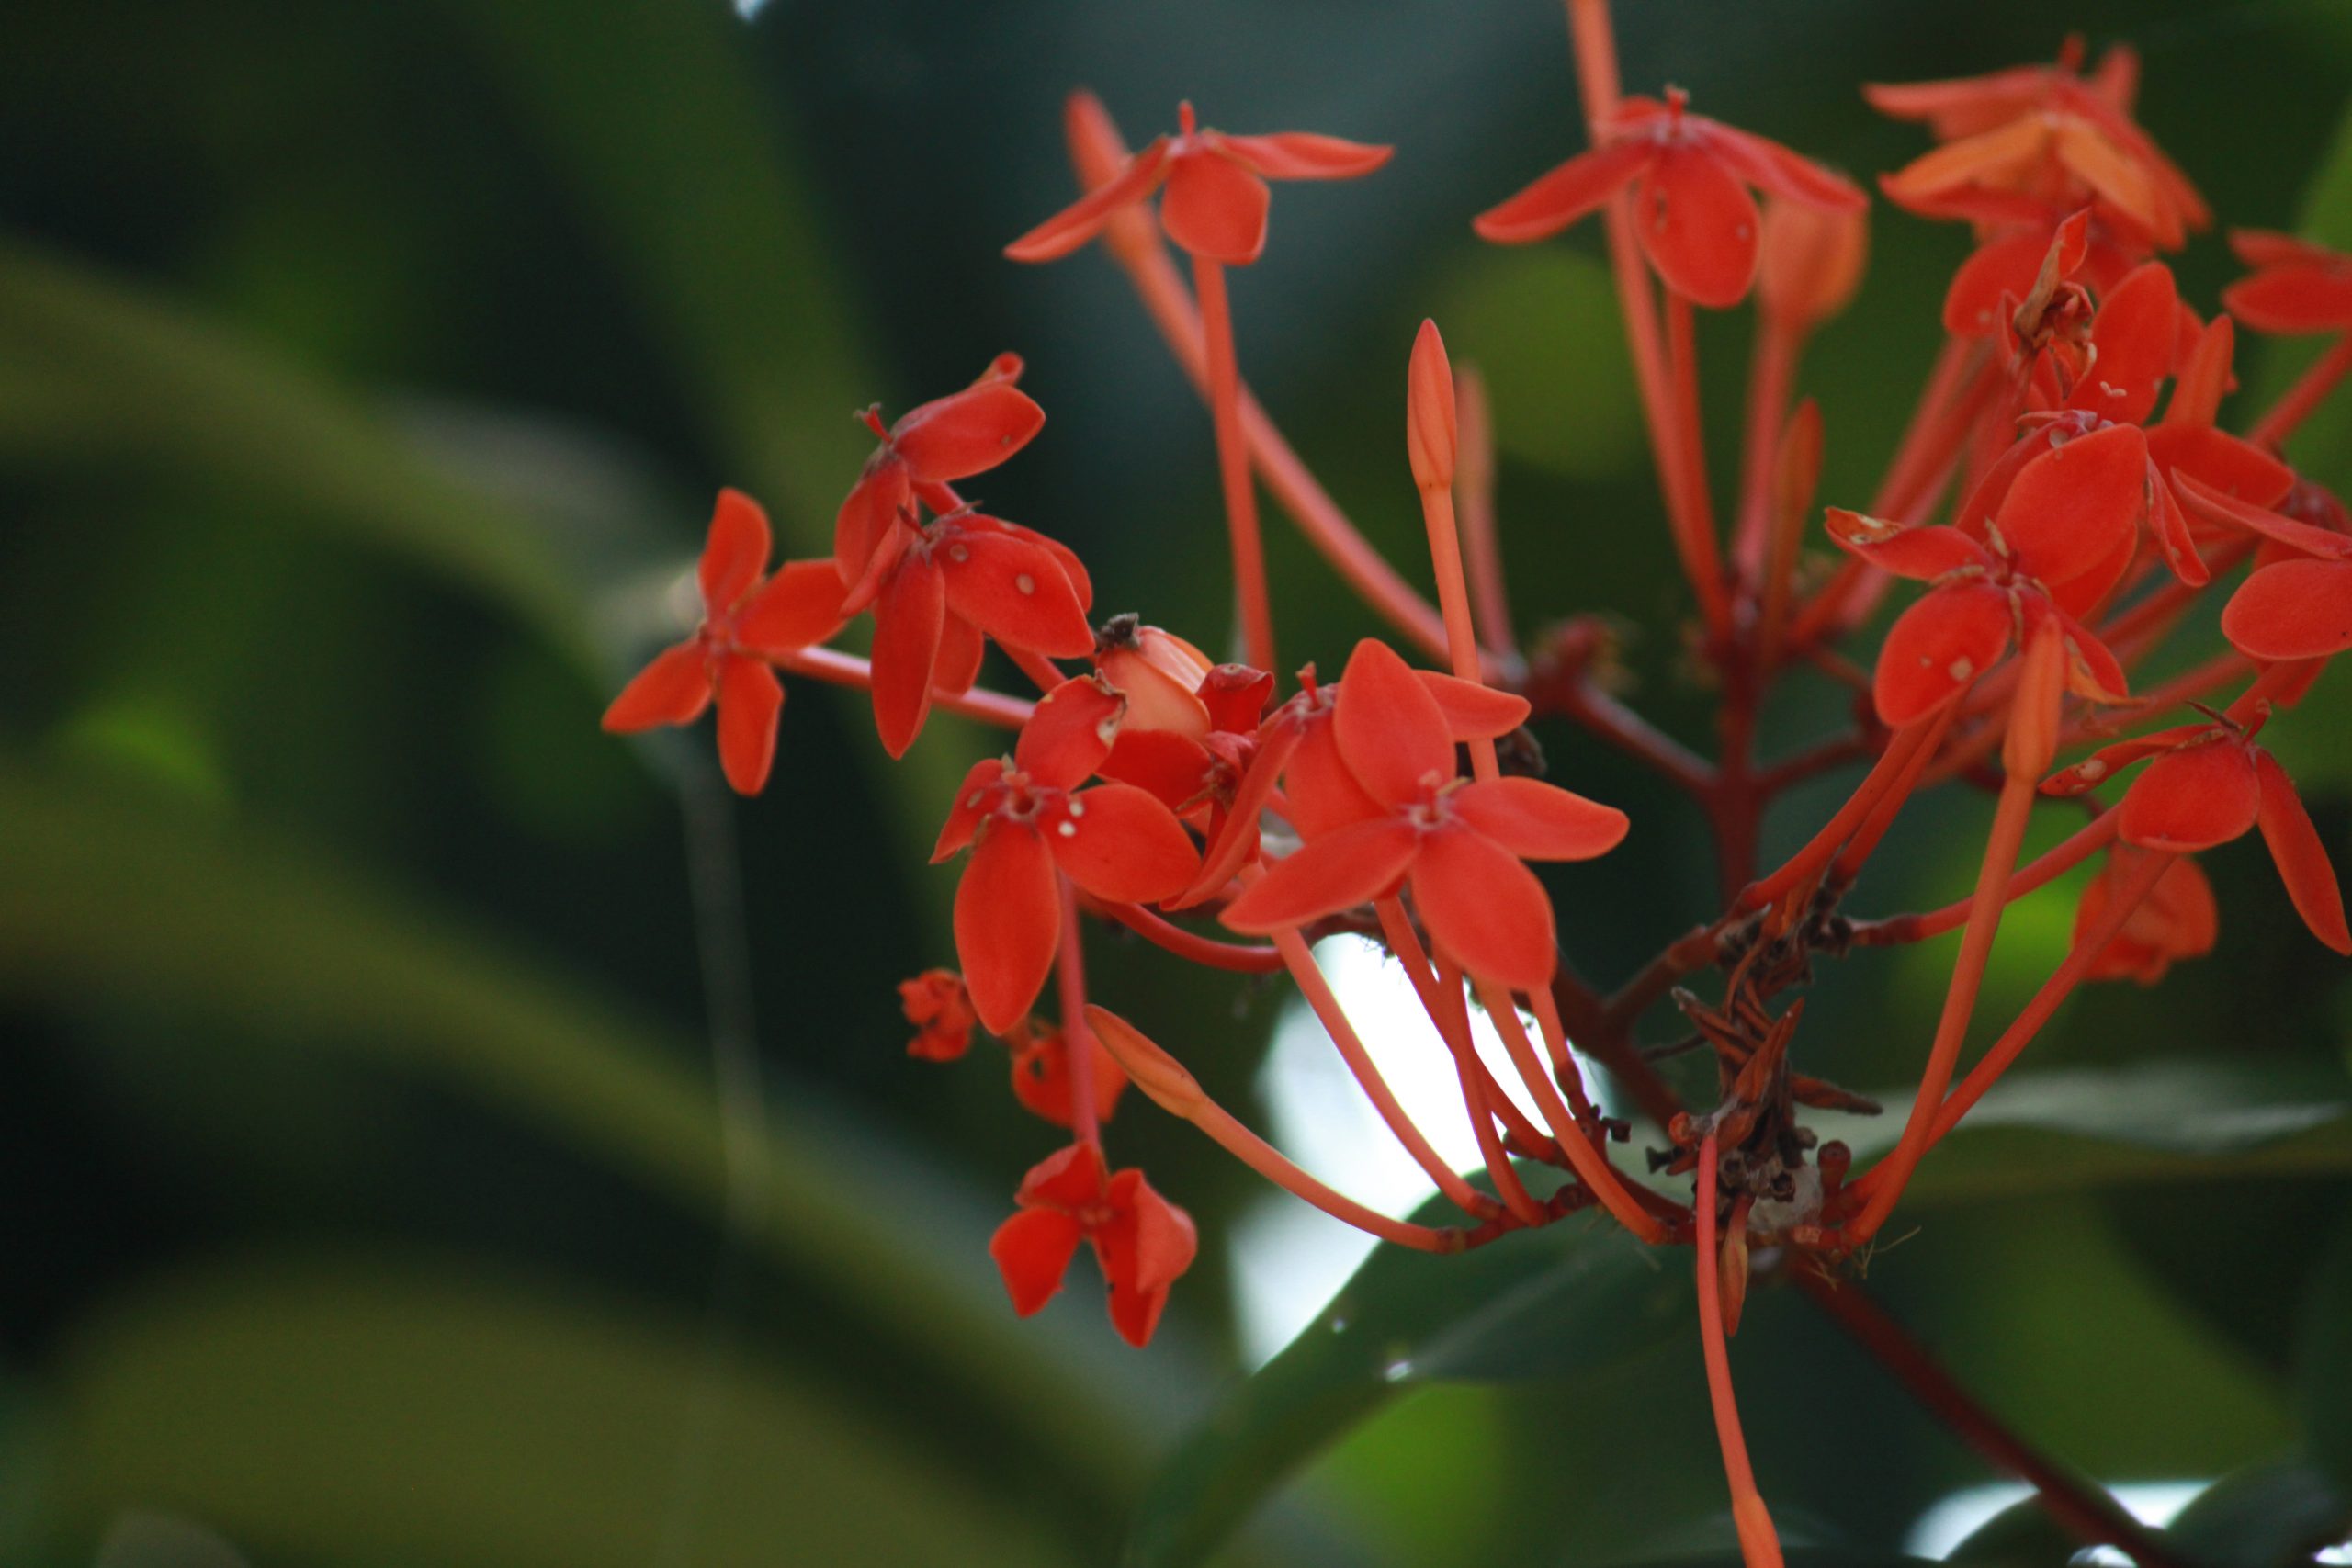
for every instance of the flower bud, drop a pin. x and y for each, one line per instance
(1429, 438)
(1812, 261)
(1155, 1072)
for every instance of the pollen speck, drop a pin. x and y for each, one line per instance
(1026, 583)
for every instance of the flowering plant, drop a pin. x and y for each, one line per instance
(1231, 812)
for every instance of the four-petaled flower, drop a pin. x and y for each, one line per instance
(2208, 783)
(1215, 202)
(938, 589)
(2297, 287)
(1033, 825)
(2063, 533)
(935, 1003)
(747, 616)
(2175, 919)
(930, 448)
(1690, 176)
(1142, 1242)
(1042, 1079)
(2036, 141)
(2300, 608)
(1458, 845)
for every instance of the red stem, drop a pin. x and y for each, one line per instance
(2076, 1503)
(847, 670)
(1759, 1544)
(1078, 1040)
(2305, 396)
(1233, 466)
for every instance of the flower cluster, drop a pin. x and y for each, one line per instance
(2062, 524)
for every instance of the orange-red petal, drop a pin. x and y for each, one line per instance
(1304, 155)
(1074, 225)
(1474, 710)
(1338, 871)
(1936, 648)
(2193, 799)
(967, 432)
(2300, 857)
(1214, 209)
(2071, 503)
(673, 689)
(1119, 843)
(1069, 732)
(1032, 1250)
(1539, 821)
(1582, 184)
(1699, 226)
(908, 622)
(750, 698)
(801, 605)
(2292, 609)
(1008, 919)
(1389, 729)
(1484, 909)
(1014, 589)
(735, 552)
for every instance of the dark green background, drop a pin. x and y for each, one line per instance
(364, 376)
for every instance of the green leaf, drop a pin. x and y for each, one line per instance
(1547, 1304)
(2324, 1360)
(2071, 1129)
(98, 375)
(439, 1416)
(2267, 1515)
(2022, 1535)
(118, 895)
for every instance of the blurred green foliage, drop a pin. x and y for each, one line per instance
(430, 1132)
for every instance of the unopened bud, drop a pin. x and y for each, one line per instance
(1155, 1072)
(1811, 260)
(1429, 438)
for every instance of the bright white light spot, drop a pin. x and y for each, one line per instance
(1951, 1521)
(1289, 1260)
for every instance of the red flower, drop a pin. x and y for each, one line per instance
(2296, 608)
(2037, 140)
(1142, 1242)
(2208, 783)
(1690, 177)
(935, 1003)
(1296, 744)
(1459, 846)
(2175, 919)
(1041, 1078)
(949, 438)
(1033, 825)
(2063, 532)
(938, 589)
(1215, 201)
(746, 616)
(2296, 287)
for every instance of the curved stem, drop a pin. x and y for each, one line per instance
(2054, 863)
(1238, 958)
(2128, 894)
(1759, 1544)
(1692, 516)
(1592, 1166)
(1960, 1004)
(2308, 392)
(848, 670)
(1334, 1018)
(1077, 1039)
(1474, 492)
(1233, 466)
